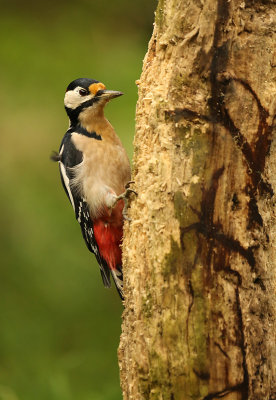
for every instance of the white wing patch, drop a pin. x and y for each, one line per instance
(65, 178)
(66, 183)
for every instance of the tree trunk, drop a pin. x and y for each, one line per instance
(200, 250)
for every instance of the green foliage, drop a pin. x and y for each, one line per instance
(59, 327)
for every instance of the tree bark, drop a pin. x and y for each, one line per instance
(200, 250)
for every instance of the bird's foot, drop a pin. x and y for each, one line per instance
(127, 185)
(125, 197)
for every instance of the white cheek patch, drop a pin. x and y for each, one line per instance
(73, 99)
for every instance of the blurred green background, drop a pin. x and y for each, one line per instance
(59, 327)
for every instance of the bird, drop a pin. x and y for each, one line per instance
(95, 173)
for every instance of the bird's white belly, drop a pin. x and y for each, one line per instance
(103, 173)
(94, 184)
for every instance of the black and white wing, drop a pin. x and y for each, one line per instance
(68, 158)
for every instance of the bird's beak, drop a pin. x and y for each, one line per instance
(108, 94)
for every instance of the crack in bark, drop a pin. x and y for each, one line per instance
(223, 393)
(259, 281)
(226, 241)
(235, 202)
(204, 376)
(235, 273)
(189, 312)
(253, 211)
(221, 349)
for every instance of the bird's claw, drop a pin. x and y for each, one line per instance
(125, 197)
(127, 185)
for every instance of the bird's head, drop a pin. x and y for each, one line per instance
(85, 98)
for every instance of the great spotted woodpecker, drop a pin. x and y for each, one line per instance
(95, 171)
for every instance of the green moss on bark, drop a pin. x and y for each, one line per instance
(184, 259)
(159, 13)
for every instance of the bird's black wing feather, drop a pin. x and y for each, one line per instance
(69, 158)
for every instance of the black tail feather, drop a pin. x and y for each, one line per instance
(117, 276)
(105, 278)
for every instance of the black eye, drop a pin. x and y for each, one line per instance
(83, 92)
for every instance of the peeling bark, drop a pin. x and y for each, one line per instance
(200, 250)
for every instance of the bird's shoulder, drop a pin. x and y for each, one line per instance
(69, 151)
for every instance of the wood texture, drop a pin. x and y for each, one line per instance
(200, 251)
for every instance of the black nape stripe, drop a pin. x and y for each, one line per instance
(82, 131)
